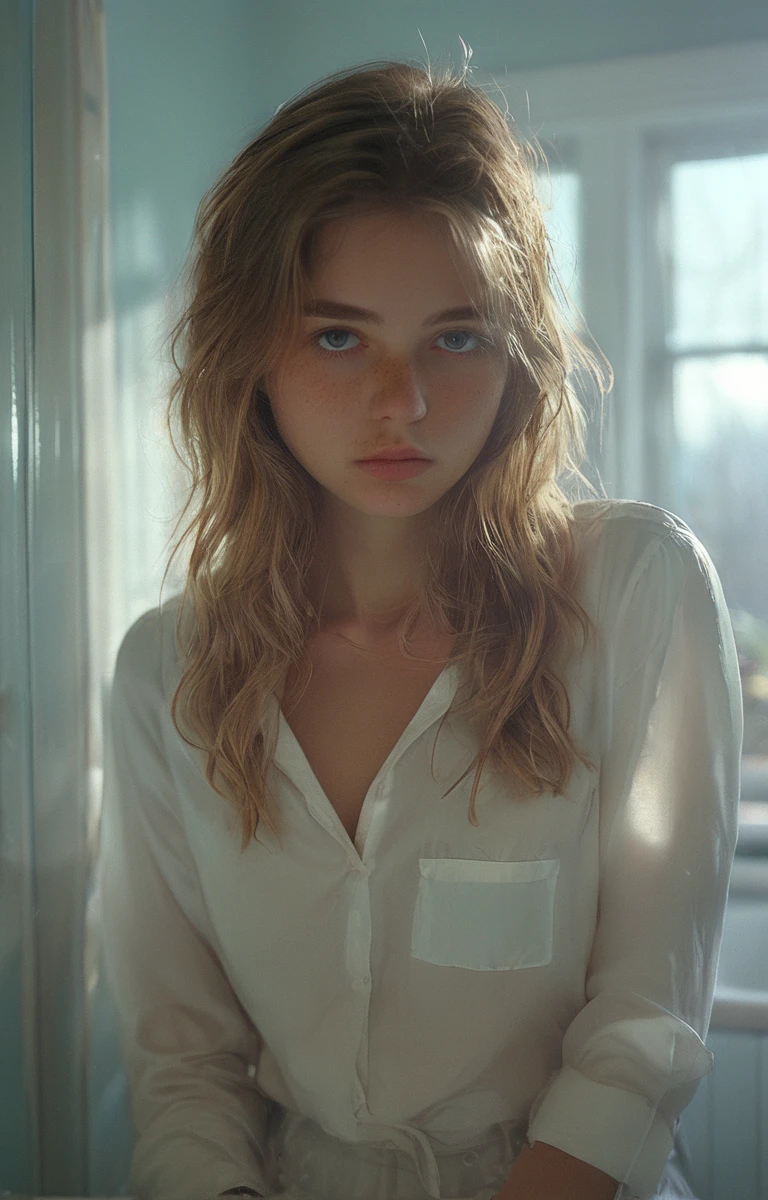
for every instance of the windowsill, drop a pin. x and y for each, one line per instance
(752, 843)
(750, 874)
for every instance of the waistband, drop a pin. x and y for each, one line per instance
(425, 1149)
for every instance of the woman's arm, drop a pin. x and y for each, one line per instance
(187, 1043)
(544, 1170)
(634, 1054)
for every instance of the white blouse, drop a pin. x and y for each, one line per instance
(555, 965)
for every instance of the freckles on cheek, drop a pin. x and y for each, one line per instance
(318, 400)
(323, 396)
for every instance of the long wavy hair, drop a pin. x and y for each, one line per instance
(502, 560)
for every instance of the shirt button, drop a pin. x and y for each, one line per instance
(469, 1159)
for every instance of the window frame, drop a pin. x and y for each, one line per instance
(621, 124)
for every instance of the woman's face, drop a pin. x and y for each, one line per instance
(351, 385)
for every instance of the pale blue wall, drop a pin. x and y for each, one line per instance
(192, 80)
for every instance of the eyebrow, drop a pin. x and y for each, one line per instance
(334, 309)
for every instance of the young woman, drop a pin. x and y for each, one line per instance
(344, 965)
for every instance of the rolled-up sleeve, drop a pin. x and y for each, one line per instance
(186, 1042)
(633, 1057)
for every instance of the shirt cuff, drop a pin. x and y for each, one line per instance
(617, 1131)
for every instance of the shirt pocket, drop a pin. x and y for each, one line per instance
(485, 916)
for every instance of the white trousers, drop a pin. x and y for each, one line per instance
(307, 1163)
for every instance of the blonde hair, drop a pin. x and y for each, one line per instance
(502, 560)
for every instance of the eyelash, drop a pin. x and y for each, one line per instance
(482, 346)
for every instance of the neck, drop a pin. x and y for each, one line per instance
(366, 569)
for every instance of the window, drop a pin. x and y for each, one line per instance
(711, 453)
(656, 202)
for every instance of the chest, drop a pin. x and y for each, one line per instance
(352, 715)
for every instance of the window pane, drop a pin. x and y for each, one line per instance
(719, 249)
(721, 427)
(560, 195)
(721, 490)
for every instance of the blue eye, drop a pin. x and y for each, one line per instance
(340, 351)
(332, 333)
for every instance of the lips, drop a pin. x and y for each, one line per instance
(396, 455)
(395, 468)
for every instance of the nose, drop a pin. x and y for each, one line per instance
(398, 392)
